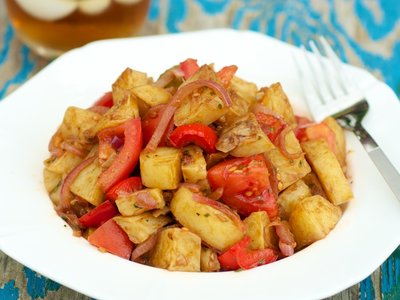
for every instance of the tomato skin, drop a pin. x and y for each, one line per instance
(226, 74)
(246, 185)
(128, 185)
(113, 239)
(271, 125)
(240, 256)
(99, 214)
(189, 67)
(150, 122)
(196, 133)
(105, 100)
(313, 131)
(127, 157)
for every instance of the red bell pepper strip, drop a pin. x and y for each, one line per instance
(106, 100)
(189, 67)
(113, 239)
(126, 186)
(150, 122)
(99, 214)
(196, 133)
(226, 74)
(241, 256)
(128, 156)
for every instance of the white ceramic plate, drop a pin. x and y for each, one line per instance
(32, 233)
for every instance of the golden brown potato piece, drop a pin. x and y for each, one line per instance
(209, 260)
(203, 105)
(326, 166)
(214, 226)
(85, 184)
(119, 113)
(245, 89)
(64, 164)
(289, 198)
(77, 122)
(194, 167)
(177, 249)
(288, 170)
(161, 168)
(313, 183)
(138, 202)
(312, 219)
(128, 80)
(140, 228)
(258, 228)
(275, 99)
(340, 141)
(244, 137)
(51, 180)
(151, 95)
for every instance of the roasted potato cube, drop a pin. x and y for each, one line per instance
(313, 183)
(244, 138)
(55, 194)
(77, 122)
(312, 219)
(288, 170)
(152, 95)
(275, 99)
(194, 167)
(119, 113)
(214, 226)
(177, 249)
(128, 80)
(209, 260)
(245, 89)
(161, 168)
(288, 199)
(203, 105)
(326, 166)
(340, 141)
(51, 180)
(140, 228)
(258, 228)
(64, 164)
(140, 201)
(85, 184)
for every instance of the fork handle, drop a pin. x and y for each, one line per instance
(385, 167)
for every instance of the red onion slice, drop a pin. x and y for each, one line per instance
(181, 93)
(144, 247)
(281, 143)
(65, 204)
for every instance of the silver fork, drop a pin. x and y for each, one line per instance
(332, 92)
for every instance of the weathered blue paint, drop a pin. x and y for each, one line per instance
(37, 285)
(367, 291)
(9, 291)
(177, 12)
(23, 74)
(213, 7)
(154, 11)
(8, 36)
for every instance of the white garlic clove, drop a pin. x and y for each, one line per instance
(93, 7)
(126, 2)
(48, 10)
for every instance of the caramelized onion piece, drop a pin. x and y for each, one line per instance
(281, 143)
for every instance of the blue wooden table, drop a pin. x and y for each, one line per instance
(366, 33)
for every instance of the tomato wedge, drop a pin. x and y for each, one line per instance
(106, 100)
(113, 239)
(189, 67)
(128, 155)
(241, 256)
(246, 185)
(150, 122)
(99, 214)
(226, 74)
(126, 186)
(196, 133)
(271, 125)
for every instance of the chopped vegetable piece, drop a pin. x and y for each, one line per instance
(126, 186)
(128, 156)
(197, 133)
(113, 239)
(99, 214)
(189, 67)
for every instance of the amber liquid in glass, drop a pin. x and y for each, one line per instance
(51, 38)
